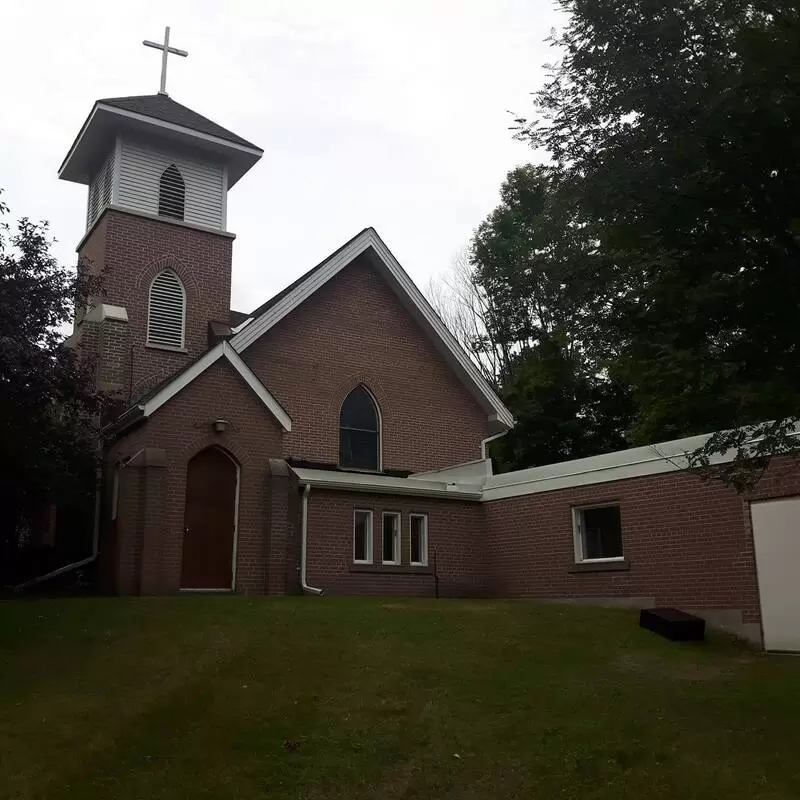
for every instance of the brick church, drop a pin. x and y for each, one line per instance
(334, 438)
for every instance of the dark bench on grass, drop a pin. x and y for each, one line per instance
(673, 624)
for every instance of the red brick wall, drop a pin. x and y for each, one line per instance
(183, 428)
(455, 545)
(354, 330)
(689, 542)
(132, 250)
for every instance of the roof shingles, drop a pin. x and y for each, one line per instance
(162, 107)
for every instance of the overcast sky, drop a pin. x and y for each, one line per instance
(370, 112)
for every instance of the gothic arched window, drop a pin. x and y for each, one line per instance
(359, 431)
(166, 313)
(171, 193)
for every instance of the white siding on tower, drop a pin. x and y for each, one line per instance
(141, 167)
(100, 190)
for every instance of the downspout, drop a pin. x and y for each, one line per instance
(486, 441)
(304, 546)
(95, 543)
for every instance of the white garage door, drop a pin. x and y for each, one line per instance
(776, 530)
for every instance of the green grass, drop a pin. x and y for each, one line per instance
(211, 697)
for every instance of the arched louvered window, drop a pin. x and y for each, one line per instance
(166, 315)
(359, 431)
(171, 193)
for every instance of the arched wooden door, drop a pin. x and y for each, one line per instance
(210, 521)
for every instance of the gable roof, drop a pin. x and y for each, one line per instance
(367, 241)
(163, 107)
(165, 391)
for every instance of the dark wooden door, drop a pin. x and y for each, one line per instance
(209, 522)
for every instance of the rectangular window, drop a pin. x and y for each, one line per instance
(362, 536)
(598, 533)
(390, 540)
(418, 524)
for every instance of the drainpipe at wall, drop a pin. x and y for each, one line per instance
(304, 546)
(95, 543)
(486, 441)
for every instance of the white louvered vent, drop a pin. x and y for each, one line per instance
(166, 318)
(171, 193)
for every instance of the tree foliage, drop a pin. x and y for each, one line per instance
(676, 123)
(536, 260)
(47, 409)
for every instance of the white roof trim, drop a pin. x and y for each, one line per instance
(256, 151)
(222, 350)
(335, 263)
(382, 484)
(636, 462)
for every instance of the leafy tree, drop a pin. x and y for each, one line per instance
(48, 437)
(537, 262)
(679, 123)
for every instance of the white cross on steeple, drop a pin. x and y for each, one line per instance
(165, 51)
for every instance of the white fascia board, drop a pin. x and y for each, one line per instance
(241, 325)
(381, 484)
(222, 350)
(77, 141)
(636, 462)
(369, 238)
(470, 472)
(300, 294)
(171, 126)
(251, 379)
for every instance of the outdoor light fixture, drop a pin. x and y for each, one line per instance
(220, 425)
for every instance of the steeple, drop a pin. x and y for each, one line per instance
(158, 175)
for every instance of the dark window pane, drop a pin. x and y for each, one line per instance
(358, 449)
(602, 532)
(389, 538)
(361, 535)
(359, 437)
(358, 411)
(418, 539)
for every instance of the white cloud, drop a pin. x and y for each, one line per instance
(384, 113)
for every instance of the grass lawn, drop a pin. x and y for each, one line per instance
(229, 697)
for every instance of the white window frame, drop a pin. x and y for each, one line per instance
(370, 534)
(424, 543)
(577, 533)
(157, 345)
(397, 535)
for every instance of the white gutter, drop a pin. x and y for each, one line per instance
(84, 561)
(304, 547)
(486, 441)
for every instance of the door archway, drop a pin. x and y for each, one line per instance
(209, 538)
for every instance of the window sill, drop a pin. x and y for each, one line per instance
(622, 565)
(401, 569)
(166, 347)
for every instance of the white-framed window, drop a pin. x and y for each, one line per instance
(390, 537)
(362, 536)
(166, 311)
(418, 539)
(598, 533)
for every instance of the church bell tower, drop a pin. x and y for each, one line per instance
(158, 175)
